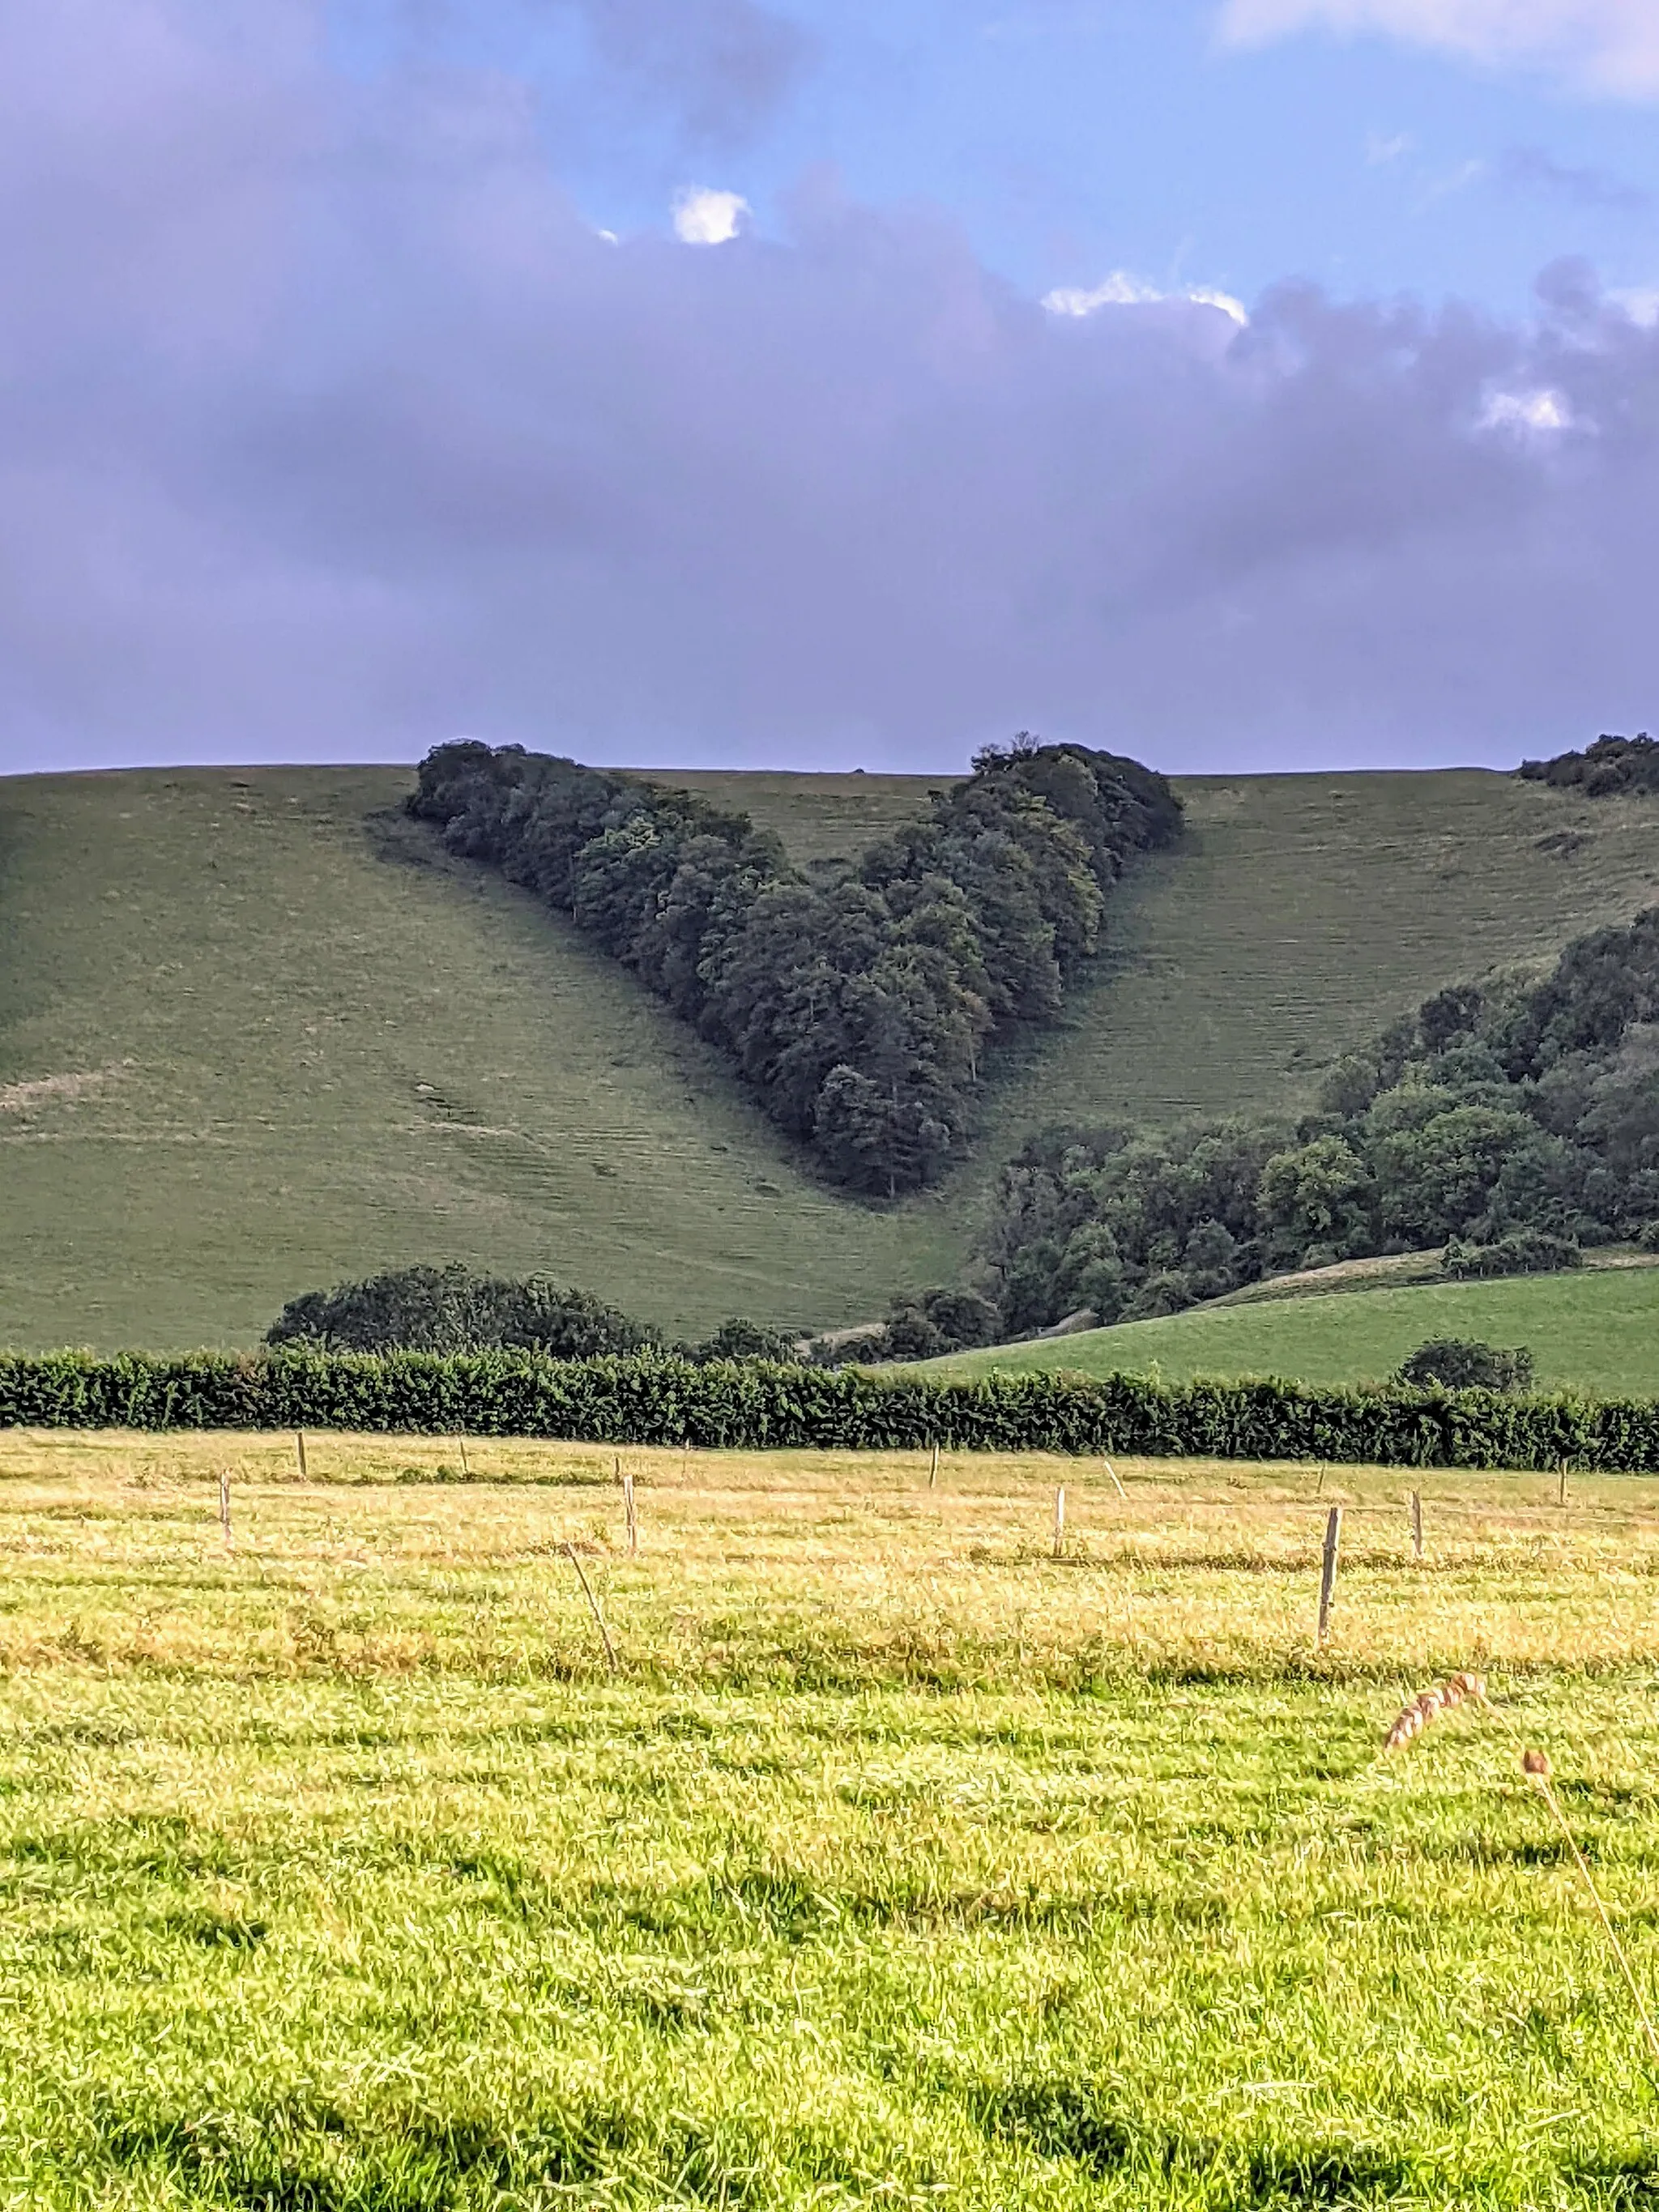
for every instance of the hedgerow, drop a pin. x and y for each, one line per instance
(752, 1405)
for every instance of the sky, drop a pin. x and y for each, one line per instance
(1241, 384)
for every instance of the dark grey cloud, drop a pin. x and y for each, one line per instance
(328, 428)
(1531, 167)
(724, 66)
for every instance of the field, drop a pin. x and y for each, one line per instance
(256, 1035)
(898, 1863)
(1595, 1331)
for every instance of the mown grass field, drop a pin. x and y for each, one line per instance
(899, 1863)
(255, 1035)
(1596, 1331)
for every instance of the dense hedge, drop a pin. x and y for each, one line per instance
(650, 1400)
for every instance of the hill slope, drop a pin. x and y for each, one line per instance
(246, 1046)
(255, 1034)
(1596, 1331)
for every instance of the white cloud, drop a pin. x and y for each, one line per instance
(1121, 290)
(705, 217)
(1530, 413)
(1380, 150)
(1640, 302)
(1607, 46)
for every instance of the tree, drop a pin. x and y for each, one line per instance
(1456, 1362)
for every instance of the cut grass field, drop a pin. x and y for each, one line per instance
(256, 1035)
(1595, 1331)
(899, 1863)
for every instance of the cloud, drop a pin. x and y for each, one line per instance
(704, 217)
(725, 66)
(329, 427)
(1531, 167)
(1601, 46)
(1120, 289)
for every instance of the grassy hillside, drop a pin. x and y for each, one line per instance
(1306, 912)
(254, 1035)
(1597, 1331)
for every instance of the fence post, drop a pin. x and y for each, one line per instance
(1328, 1570)
(592, 1607)
(1059, 1521)
(1417, 1524)
(224, 1508)
(632, 1519)
(466, 1472)
(1116, 1484)
(932, 1471)
(1562, 1499)
(300, 1453)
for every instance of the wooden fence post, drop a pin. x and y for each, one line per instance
(1059, 1521)
(932, 1471)
(300, 1452)
(633, 1518)
(1328, 1570)
(593, 1607)
(1116, 1484)
(1417, 1524)
(466, 1472)
(224, 1508)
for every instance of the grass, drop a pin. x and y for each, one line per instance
(901, 1864)
(255, 1035)
(1596, 1331)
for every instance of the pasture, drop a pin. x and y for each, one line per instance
(898, 1861)
(1595, 1331)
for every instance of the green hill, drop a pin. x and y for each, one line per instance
(257, 1034)
(1596, 1331)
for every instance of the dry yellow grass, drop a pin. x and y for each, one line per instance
(805, 1567)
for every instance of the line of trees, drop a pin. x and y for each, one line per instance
(1520, 1118)
(860, 1010)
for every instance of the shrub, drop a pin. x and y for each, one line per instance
(738, 1338)
(1524, 1252)
(451, 1310)
(1457, 1363)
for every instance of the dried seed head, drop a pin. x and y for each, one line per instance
(1536, 1764)
(1429, 1705)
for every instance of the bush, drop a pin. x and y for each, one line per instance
(451, 1310)
(1457, 1363)
(651, 1398)
(1525, 1252)
(738, 1338)
(1610, 766)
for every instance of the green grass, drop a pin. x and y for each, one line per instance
(900, 1864)
(255, 1035)
(1596, 1331)
(283, 1042)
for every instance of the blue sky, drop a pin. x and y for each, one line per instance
(1073, 137)
(1240, 383)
